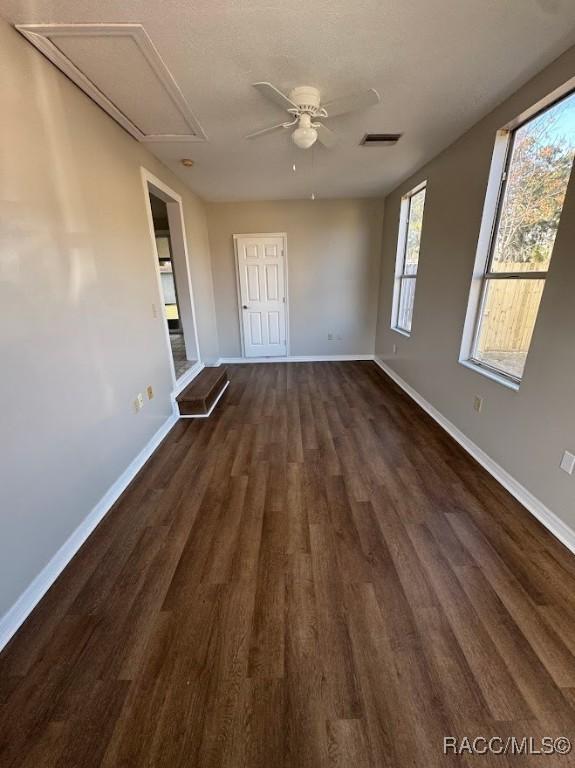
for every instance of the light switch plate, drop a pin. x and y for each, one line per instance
(568, 462)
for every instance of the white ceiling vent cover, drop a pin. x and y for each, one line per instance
(118, 66)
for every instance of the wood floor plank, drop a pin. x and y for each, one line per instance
(228, 671)
(347, 744)
(390, 734)
(317, 576)
(266, 656)
(258, 737)
(305, 675)
(498, 687)
(530, 674)
(340, 677)
(553, 653)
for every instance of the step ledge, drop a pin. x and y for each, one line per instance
(209, 413)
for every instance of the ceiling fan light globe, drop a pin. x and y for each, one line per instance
(304, 137)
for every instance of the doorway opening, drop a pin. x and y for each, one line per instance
(177, 308)
(171, 307)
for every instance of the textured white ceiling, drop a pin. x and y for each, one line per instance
(439, 66)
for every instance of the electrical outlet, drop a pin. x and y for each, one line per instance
(568, 462)
(154, 311)
(140, 400)
(477, 403)
(136, 405)
(395, 349)
(150, 391)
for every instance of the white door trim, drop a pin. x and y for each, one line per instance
(237, 237)
(151, 183)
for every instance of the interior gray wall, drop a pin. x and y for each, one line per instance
(333, 270)
(77, 284)
(527, 431)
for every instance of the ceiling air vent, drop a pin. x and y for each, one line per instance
(380, 139)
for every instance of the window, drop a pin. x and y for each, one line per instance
(410, 223)
(532, 186)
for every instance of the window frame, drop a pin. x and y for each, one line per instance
(401, 254)
(492, 210)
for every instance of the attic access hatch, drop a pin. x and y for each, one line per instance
(118, 66)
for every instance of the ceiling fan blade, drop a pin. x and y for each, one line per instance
(326, 137)
(265, 130)
(351, 103)
(274, 94)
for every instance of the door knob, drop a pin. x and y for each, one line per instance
(245, 306)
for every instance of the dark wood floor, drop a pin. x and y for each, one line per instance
(315, 576)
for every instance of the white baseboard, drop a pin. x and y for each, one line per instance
(17, 614)
(546, 517)
(211, 362)
(291, 359)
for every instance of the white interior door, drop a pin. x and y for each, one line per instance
(262, 289)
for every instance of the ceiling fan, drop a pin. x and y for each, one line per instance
(305, 107)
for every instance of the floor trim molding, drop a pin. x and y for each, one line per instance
(292, 359)
(20, 610)
(546, 517)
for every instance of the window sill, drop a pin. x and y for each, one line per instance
(500, 378)
(400, 330)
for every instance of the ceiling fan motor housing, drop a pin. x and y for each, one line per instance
(307, 98)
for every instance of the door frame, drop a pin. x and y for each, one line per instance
(179, 246)
(237, 237)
